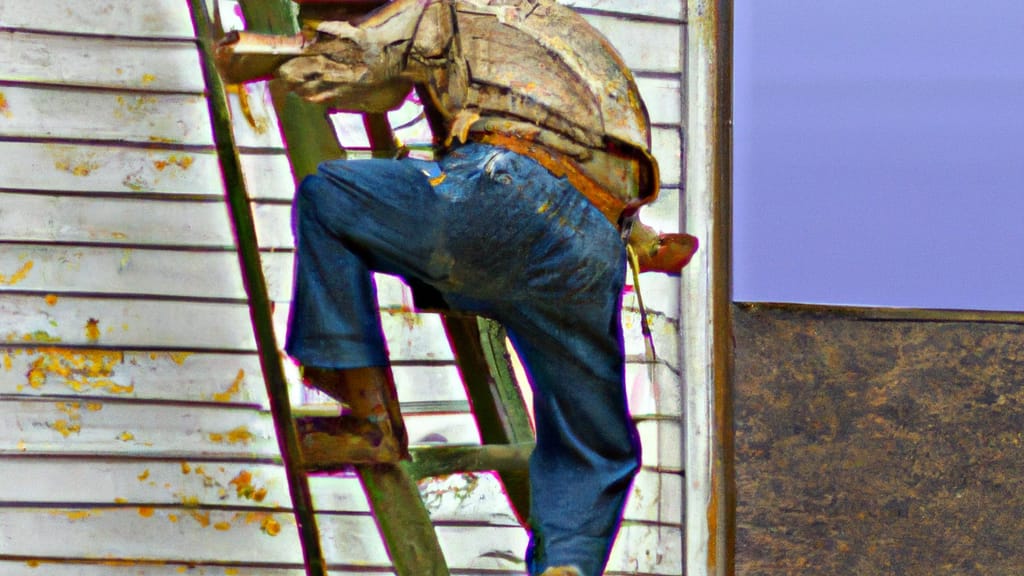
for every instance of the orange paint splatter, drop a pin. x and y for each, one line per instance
(51, 299)
(146, 511)
(185, 468)
(5, 109)
(79, 370)
(203, 518)
(173, 518)
(244, 487)
(18, 275)
(270, 526)
(92, 330)
(232, 390)
(145, 474)
(240, 435)
(179, 357)
(183, 162)
(222, 526)
(73, 515)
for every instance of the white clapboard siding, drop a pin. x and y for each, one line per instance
(101, 62)
(632, 8)
(155, 18)
(35, 567)
(644, 46)
(131, 398)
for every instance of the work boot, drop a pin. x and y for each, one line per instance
(561, 571)
(370, 429)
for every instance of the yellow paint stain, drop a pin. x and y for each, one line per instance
(270, 526)
(244, 487)
(118, 235)
(231, 572)
(18, 275)
(179, 357)
(222, 526)
(135, 106)
(51, 299)
(94, 406)
(146, 511)
(185, 468)
(126, 436)
(73, 515)
(182, 569)
(232, 390)
(240, 435)
(120, 500)
(5, 109)
(173, 518)
(92, 330)
(148, 79)
(203, 518)
(183, 162)
(22, 446)
(259, 125)
(32, 563)
(8, 362)
(145, 474)
(79, 370)
(544, 207)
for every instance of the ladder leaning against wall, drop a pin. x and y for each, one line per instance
(478, 344)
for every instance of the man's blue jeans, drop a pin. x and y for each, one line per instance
(500, 236)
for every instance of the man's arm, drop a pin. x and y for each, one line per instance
(362, 66)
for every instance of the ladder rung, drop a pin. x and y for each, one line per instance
(446, 459)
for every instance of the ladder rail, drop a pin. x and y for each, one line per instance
(259, 300)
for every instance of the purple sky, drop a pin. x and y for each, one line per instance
(879, 153)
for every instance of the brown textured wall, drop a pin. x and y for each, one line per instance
(877, 446)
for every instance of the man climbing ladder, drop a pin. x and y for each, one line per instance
(542, 164)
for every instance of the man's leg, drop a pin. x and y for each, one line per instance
(349, 219)
(532, 252)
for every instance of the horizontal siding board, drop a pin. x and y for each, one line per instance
(80, 167)
(88, 220)
(145, 483)
(138, 271)
(58, 112)
(647, 549)
(57, 567)
(667, 146)
(100, 62)
(663, 98)
(644, 46)
(667, 10)
(230, 379)
(84, 428)
(662, 442)
(157, 18)
(177, 535)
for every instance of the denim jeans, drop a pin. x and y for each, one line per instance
(500, 236)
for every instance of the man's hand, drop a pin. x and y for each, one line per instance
(672, 253)
(666, 253)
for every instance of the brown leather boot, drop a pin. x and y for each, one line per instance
(370, 431)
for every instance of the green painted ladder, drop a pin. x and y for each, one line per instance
(479, 344)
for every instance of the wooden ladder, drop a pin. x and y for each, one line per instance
(478, 344)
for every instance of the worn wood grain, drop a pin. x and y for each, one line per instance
(877, 447)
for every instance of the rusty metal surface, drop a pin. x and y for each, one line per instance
(878, 446)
